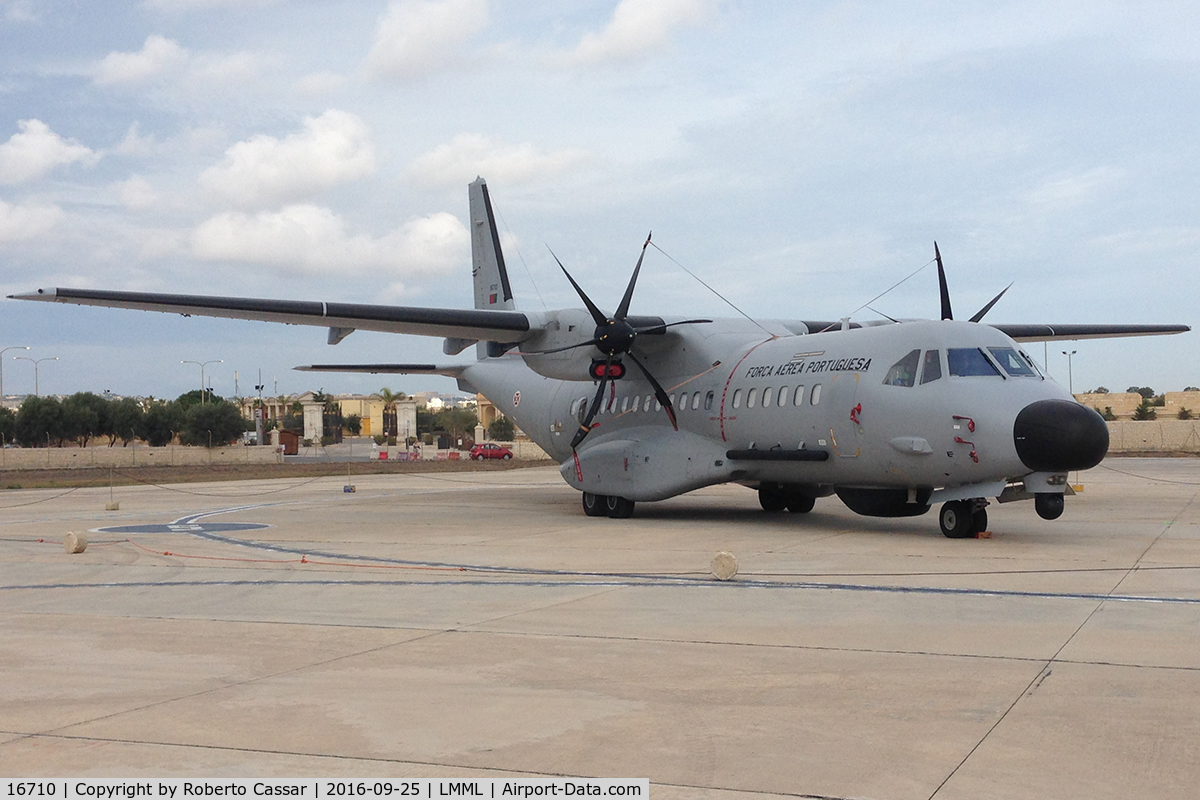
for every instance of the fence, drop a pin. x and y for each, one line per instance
(170, 455)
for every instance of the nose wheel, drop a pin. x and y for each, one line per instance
(602, 505)
(961, 519)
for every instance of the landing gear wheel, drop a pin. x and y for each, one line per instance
(618, 507)
(772, 499)
(979, 521)
(594, 505)
(800, 504)
(957, 520)
(1048, 506)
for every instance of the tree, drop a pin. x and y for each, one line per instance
(390, 423)
(8, 421)
(212, 424)
(1144, 391)
(1191, 388)
(458, 422)
(1145, 411)
(161, 422)
(127, 419)
(1185, 413)
(502, 429)
(86, 415)
(39, 420)
(353, 423)
(1099, 390)
(195, 397)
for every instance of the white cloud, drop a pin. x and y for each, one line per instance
(175, 6)
(333, 148)
(310, 240)
(135, 193)
(1073, 190)
(469, 155)
(20, 11)
(638, 27)
(36, 150)
(415, 37)
(319, 84)
(22, 222)
(158, 56)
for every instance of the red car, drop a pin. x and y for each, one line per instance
(490, 450)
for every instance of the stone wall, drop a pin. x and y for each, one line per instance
(171, 455)
(1154, 436)
(1123, 404)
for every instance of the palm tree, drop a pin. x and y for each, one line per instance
(390, 399)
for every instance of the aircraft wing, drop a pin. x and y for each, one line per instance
(340, 318)
(1050, 333)
(449, 370)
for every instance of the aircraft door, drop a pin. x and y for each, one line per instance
(845, 415)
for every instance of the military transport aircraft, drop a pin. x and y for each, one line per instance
(892, 416)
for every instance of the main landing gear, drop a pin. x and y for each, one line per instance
(603, 505)
(962, 519)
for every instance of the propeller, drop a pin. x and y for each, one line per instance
(614, 337)
(945, 292)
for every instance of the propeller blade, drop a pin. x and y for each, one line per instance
(597, 315)
(654, 328)
(946, 312)
(659, 393)
(623, 309)
(979, 314)
(557, 349)
(585, 427)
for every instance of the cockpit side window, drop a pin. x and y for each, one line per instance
(1012, 362)
(969, 362)
(904, 371)
(933, 367)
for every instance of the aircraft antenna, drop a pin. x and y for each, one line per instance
(711, 289)
(521, 256)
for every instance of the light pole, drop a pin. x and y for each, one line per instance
(35, 362)
(202, 365)
(1070, 374)
(4, 350)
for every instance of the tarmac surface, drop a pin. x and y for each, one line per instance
(478, 625)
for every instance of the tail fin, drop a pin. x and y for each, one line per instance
(492, 290)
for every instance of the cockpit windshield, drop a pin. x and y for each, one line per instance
(970, 362)
(1012, 362)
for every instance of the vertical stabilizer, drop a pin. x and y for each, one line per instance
(492, 290)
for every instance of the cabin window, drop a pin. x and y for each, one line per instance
(657, 405)
(816, 395)
(904, 371)
(783, 396)
(647, 403)
(574, 407)
(624, 404)
(737, 398)
(671, 397)
(581, 412)
(933, 367)
(1012, 362)
(752, 397)
(968, 362)
(799, 395)
(695, 401)
(637, 401)
(708, 401)
(768, 393)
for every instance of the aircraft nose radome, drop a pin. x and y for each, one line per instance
(1060, 435)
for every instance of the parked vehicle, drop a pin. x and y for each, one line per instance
(490, 450)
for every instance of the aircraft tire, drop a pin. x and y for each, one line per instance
(979, 521)
(618, 507)
(595, 505)
(800, 503)
(956, 520)
(772, 499)
(1048, 506)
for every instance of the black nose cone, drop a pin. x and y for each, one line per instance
(1060, 435)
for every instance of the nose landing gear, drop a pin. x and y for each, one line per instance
(963, 519)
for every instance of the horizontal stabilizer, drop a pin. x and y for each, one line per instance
(1050, 333)
(488, 325)
(449, 370)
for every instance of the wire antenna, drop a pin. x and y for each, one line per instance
(706, 286)
(521, 256)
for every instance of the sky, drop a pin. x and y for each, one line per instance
(799, 157)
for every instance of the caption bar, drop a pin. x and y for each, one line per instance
(313, 789)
